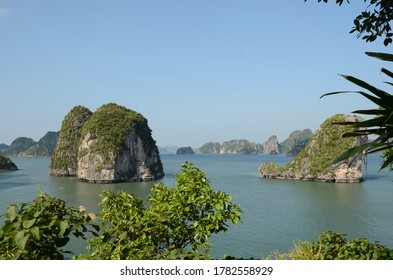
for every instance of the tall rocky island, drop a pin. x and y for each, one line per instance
(113, 144)
(314, 163)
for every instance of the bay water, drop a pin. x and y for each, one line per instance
(276, 213)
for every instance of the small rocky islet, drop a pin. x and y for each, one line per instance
(6, 164)
(314, 163)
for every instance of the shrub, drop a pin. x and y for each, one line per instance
(38, 230)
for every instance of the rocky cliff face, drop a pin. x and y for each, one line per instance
(114, 145)
(242, 147)
(49, 141)
(27, 147)
(210, 148)
(20, 145)
(314, 163)
(43, 148)
(271, 146)
(296, 142)
(64, 159)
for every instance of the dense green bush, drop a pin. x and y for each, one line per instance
(334, 246)
(177, 223)
(40, 229)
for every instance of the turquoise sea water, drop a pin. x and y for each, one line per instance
(275, 213)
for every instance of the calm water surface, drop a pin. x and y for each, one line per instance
(275, 213)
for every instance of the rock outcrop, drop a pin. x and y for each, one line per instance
(271, 146)
(185, 151)
(239, 147)
(49, 141)
(210, 148)
(3, 148)
(19, 145)
(6, 164)
(235, 147)
(27, 147)
(114, 144)
(296, 142)
(64, 159)
(314, 163)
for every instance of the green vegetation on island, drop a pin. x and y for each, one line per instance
(64, 159)
(185, 151)
(314, 163)
(27, 147)
(210, 148)
(109, 127)
(6, 164)
(113, 144)
(296, 142)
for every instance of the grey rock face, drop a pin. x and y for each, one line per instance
(271, 146)
(64, 158)
(242, 147)
(114, 144)
(131, 164)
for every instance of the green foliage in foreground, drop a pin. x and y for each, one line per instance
(334, 246)
(176, 225)
(374, 21)
(40, 229)
(380, 125)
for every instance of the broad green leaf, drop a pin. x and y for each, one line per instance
(123, 236)
(11, 212)
(28, 223)
(35, 232)
(63, 227)
(21, 242)
(19, 235)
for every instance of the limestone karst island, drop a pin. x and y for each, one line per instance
(314, 163)
(113, 144)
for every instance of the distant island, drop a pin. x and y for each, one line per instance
(27, 147)
(6, 164)
(113, 144)
(314, 163)
(295, 143)
(185, 151)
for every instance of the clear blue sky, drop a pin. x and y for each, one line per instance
(199, 71)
